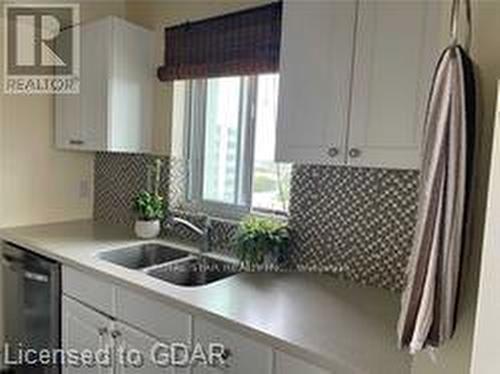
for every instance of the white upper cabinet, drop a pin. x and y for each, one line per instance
(355, 76)
(113, 111)
(397, 46)
(316, 64)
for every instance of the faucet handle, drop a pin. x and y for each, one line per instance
(170, 219)
(208, 228)
(208, 223)
(207, 242)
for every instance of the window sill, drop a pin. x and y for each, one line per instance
(228, 213)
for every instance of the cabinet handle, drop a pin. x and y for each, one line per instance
(226, 354)
(76, 142)
(354, 153)
(333, 152)
(115, 334)
(102, 331)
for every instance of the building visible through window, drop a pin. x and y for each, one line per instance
(232, 126)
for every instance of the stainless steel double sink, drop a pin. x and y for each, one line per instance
(170, 264)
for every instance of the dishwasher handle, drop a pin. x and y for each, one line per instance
(9, 262)
(36, 277)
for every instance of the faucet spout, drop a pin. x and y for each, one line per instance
(204, 233)
(189, 225)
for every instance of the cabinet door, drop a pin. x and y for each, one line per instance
(131, 86)
(286, 364)
(81, 119)
(68, 133)
(135, 350)
(397, 47)
(245, 356)
(67, 112)
(84, 329)
(315, 77)
(94, 64)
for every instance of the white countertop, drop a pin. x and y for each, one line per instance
(335, 324)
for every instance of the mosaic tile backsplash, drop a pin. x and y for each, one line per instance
(118, 177)
(355, 223)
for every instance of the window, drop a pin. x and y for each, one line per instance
(231, 126)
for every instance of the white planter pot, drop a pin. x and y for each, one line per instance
(147, 229)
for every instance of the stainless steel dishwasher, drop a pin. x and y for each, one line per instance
(31, 307)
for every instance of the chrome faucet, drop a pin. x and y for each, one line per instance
(204, 232)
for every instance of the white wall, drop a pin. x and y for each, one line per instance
(485, 358)
(455, 356)
(38, 183)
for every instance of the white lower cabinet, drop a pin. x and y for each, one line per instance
(89, 289)
(130, 350)
(156, 318)
(135, 349)
(132, 329)
(243, 355)
(84, 329)
(286, 364)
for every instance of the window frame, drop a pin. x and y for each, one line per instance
(194, 147)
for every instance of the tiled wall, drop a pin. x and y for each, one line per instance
(356, 223)
(118, 177)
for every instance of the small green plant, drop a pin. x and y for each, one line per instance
(149, 206)
(261, 238)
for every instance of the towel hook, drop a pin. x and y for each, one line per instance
(455, 20)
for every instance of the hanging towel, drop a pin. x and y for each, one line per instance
(430, 299)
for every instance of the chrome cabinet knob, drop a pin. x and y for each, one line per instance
(226, 354)
(354, 153)
(333, 152)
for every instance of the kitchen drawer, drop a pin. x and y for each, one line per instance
(246, 356)
(153, 317)
(89, 289)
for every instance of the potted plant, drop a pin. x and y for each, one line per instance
(150, 210)
(150, 207)
(261, 242)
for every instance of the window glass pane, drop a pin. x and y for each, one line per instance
(222, 113)
(271, 182)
